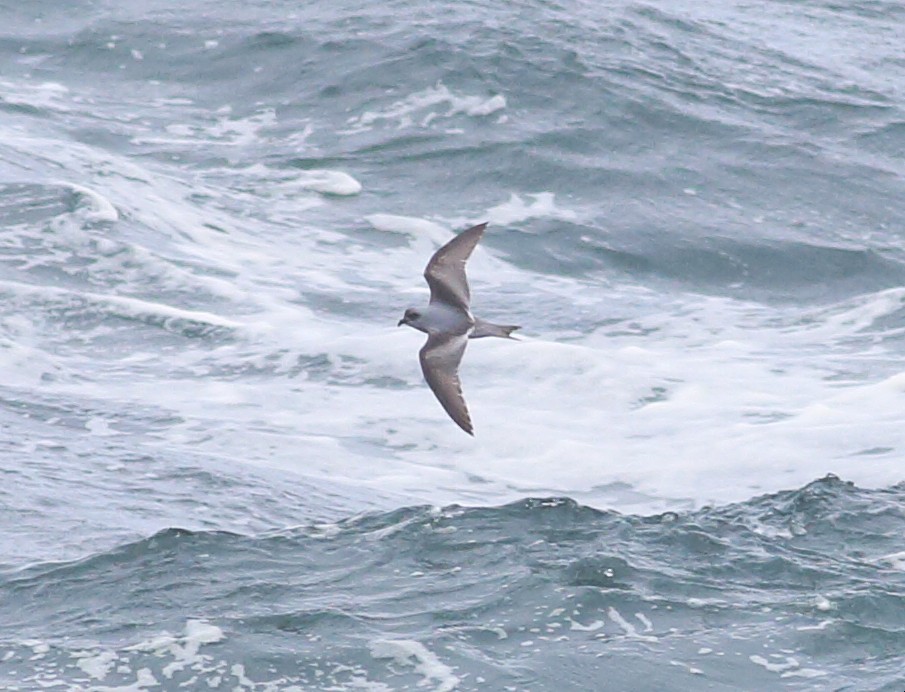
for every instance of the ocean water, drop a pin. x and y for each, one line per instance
(220, 466)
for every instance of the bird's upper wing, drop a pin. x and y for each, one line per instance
(445, 272)
(440, 358)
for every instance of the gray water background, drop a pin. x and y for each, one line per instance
(219, 466)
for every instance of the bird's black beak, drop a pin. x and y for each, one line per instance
(401, 322)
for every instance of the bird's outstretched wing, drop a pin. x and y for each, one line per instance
(440, 358)
(445, 273)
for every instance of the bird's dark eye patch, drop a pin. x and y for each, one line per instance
(413, 314)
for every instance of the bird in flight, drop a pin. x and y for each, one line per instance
(449, 324)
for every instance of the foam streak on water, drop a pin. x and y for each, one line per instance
(212, 218)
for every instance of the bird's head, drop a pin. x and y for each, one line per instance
(412, 318)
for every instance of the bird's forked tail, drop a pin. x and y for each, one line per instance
(482, 328)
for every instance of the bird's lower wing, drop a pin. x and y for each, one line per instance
(440, 358)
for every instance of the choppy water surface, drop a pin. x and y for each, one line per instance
(220, 465)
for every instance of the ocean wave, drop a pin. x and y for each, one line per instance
(75, 306)
(215, 215)
(539, 576)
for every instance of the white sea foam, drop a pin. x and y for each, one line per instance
(648, 625)
(124, 306)
(680, 398)
(787, 667)
(687, 399)
(144, 680)
(775, 667)
(822, 603)
(516, 209)
(406, 652)
(224, 130)
(96, 664)
(700, 403)
(426, 236)
(99, 207)
(23, 362)
(177, 661)
(628, 628)
(184, 650)
(893, 560)
(420, 109)
(44, 95)
(330, 182)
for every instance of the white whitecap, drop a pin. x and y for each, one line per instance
(406, 652)
(49, 95)
(894, 560)
(424, 106)
(516, 210)
(486, 107)
(627, 627)
(96, 664)
(410, 226)
(184, 649)
(125, 306)
(95, 207)
(329, 182)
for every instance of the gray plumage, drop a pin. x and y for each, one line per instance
(449, 324)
